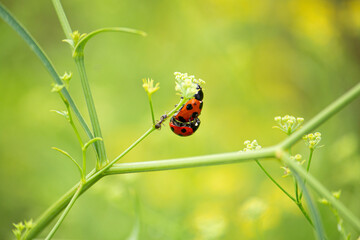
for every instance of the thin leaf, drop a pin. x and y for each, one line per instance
(90, 142)
(70, 157)
(62, 113)
(85, 39)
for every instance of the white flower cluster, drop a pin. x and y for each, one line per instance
(288, 124)
(312, 140)
(251, 146)
(186, 85)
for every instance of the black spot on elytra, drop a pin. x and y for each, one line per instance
(194, 114)
(182, 119)
(189, 107)
(183, 130)
(201, 105)
(172, 129)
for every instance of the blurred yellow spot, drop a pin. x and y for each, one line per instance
(314, 18)
(209, 221)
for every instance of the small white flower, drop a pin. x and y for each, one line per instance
(251, 146)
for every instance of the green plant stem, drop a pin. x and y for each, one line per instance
(83, 164)
(190, 162)
(310, 157)
(274, 181)
(307, 168)
(321, 190)
(79, 60)
(296, 191)
(62, 17)
(66, 211)
(34, 46)
(151, 109)
(302, 209)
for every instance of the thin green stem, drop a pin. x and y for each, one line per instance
(91, 109)
(274, 181)
(62, 17)
(83, 163)
(102, 171)
(190, 162)
(66, 211)
(307, 168)
(84, 148)
(310, 157)
(151, 109)
(296, 191)
(178, 106)
(71, 121)
(301, 207)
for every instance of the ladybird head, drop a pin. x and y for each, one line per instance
(200, 94)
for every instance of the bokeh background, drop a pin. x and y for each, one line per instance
(260, 59)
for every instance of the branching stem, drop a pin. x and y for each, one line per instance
(66, 211)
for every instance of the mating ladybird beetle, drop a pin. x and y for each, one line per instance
(192, 108)
(184, 129)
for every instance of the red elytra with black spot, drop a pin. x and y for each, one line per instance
(190, 110)
(184, 129)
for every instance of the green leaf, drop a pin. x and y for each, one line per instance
(81, 44)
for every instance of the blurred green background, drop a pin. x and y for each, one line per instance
(259, 59)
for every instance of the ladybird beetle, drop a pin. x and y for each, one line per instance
(192, 108)
(184, 129)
